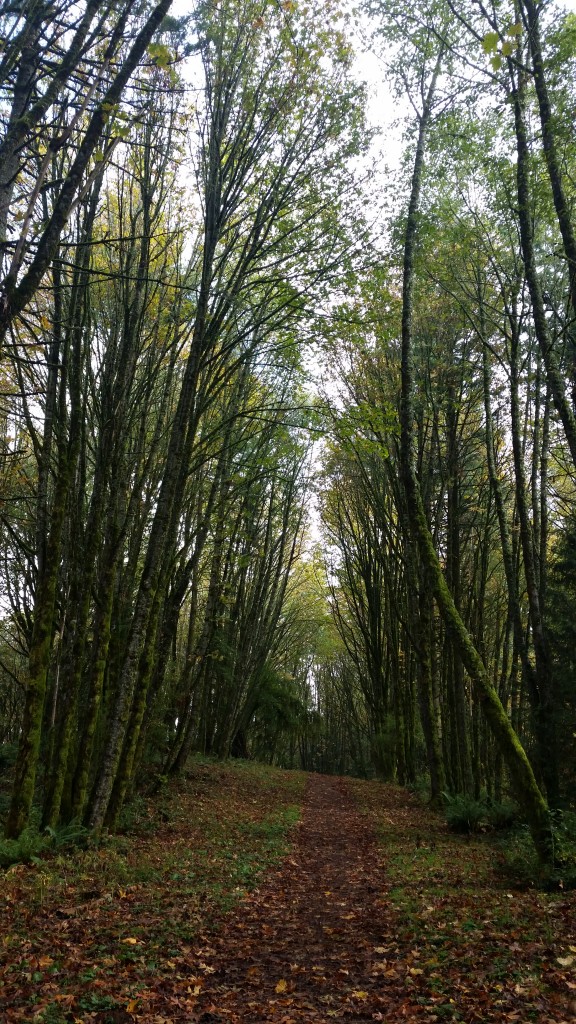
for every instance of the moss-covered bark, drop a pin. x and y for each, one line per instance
(38, 666)
(426, 697)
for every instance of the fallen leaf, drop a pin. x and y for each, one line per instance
(282, 986)
(130, 941)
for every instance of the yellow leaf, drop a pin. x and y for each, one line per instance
(282, 986)
(360, 995)
(130, 941)
(132, 1004)
(207, 968)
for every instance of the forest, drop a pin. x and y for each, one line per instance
(287, 436)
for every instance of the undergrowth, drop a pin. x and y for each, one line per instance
(32, 845)
(521, 865)
(516, 854)
(464, 813)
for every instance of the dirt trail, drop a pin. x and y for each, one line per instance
(411, 927)
(309, 944)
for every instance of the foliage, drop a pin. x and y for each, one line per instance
(520, 864)
(32, 845)
(465, 814)
(26, 849)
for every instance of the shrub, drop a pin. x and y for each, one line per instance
(466, 814)
(463, 813)
(65, 836)
(521, 864)
(28, 847)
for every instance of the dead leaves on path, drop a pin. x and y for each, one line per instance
(326, 939)
(409, 928)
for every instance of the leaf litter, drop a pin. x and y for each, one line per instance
(374, 912)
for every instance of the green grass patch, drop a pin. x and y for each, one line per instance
(185, 856)
(479, 936)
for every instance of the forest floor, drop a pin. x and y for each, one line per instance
(247, 894)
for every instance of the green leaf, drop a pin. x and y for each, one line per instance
(160, 54)
(496, 62)
(490, 42)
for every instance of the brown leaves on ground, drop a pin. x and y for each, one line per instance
(375, 914)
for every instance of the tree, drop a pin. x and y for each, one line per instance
(132, 450)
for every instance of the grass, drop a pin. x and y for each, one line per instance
(83, 931)
(472, 924)
(104, 934)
